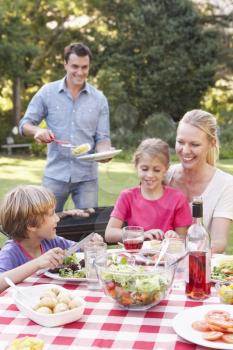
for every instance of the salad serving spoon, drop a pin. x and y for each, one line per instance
(11, 284)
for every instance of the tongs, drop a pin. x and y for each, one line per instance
(64, 143)
(79, 245)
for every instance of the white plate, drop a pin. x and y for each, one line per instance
(46, 320)
(80, 255)
(100, 155)
(182, 324)
(56, 276)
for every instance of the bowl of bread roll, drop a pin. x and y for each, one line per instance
(49, 305)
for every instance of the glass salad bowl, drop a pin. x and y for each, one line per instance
(132, 280)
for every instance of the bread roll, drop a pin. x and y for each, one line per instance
(44, 310)
(48, 302)
(60, 307)
(74, 303)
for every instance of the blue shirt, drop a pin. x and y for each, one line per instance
(84, 119)
(12, 256)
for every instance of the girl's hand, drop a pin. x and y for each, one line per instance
(51, 259)
(154, 234)
(171, 234)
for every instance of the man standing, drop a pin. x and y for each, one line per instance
(77, 112)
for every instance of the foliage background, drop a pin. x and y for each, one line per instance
(154, 60)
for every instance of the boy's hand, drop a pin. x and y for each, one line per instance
(51, 259)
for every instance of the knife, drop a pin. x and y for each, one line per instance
(79, 245)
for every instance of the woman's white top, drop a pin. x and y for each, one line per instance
(217, 196)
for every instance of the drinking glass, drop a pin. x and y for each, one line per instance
(133, 238)
(92, 250)
(176, 249)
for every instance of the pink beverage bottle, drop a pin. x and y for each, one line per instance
(198, 261)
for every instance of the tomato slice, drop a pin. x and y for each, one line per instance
(228, 338)
(201, 326)
(216, 328)
(212, 336)
(111, 285)
(217, 315)
(220, 323)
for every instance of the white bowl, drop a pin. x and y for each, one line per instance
(46, 320)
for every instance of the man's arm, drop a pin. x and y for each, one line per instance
(103, 142)
(103, 145)
(35, 113)
(39, 134)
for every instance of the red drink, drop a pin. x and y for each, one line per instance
(133, 244)
(198, 284)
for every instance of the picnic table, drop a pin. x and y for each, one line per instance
(103, 324)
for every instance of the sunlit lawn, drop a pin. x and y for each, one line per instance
(113, 177)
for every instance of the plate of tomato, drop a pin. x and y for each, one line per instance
(207, 325)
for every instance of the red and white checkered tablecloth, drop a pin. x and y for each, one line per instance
(103, 325)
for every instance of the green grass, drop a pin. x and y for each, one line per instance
(113, 177)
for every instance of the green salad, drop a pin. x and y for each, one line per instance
(223, 272)
(134, 285)
(72, 267)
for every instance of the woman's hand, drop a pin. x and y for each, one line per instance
(153, 234)
(51, 259)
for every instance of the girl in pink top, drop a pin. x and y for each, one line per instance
(159, 209)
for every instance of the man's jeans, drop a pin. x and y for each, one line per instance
(84, 194)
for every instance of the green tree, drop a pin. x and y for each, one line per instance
(31, 34)
(158, 56)
(152, 58)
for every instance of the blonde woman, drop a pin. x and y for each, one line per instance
(197, 147)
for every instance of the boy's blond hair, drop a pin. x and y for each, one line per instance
(25, 206)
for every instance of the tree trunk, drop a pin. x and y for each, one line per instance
(16, 101)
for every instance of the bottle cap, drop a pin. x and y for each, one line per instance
(197, 211)
(197, 207)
